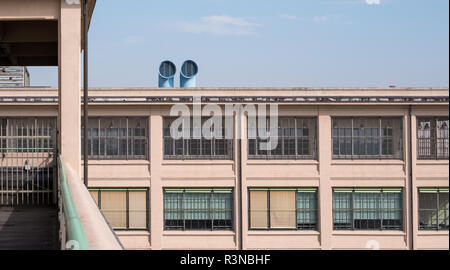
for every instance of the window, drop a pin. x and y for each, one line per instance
(296, 139)
(198, 209)
(283, 208)
(432, 138)
(124, 209)
(117, 138)
(27, 135)
(202, 148)
(367, 138)
(433, 209)
(368, 208)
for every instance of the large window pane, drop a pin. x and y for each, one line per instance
(124, 209)
(432, 138)
(282, 210)
(137, 209)
(367, 138)
(368, 209)
(114, 207)
(307, 210)
(296, 139)
(210, 147)
(433, 209)
(199, 209)
(117, 138)
(258, 210)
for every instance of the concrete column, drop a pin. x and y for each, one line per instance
(244, 158)
(415, 198)
(325, 188)
(69, 62)
(156, 192)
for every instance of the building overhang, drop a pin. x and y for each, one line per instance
(27, 40)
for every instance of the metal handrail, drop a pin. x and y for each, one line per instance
(74, 228)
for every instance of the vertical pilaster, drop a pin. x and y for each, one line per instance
(156, 192)
(69, 50)
(244, 187)
(325, 188)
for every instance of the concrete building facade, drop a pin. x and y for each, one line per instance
(355, 169)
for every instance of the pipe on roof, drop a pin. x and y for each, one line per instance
(167, 72)
(188, 74)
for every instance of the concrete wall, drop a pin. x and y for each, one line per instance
(324, 173)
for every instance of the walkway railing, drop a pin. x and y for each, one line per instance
(73, 235)
(82, 225)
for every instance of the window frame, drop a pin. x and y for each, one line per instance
(438, 191)
(229, 144)
(130, 139)
(269, 156)
(314, 190)
(364, 190)
(127, 190)
(432, 145)
(211, 210)
(380, 139)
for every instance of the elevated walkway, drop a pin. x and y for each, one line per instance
(29, 228)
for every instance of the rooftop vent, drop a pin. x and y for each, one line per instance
(167, 72)
(188, 75)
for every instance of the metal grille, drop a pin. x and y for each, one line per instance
(28, 165)
(189, 69)
(198, 209)
(196, 149)
(117, 139)
(297, 139)
(368, 209)
(433, 209)
(167, 69)
(367, 138)
(432, 138)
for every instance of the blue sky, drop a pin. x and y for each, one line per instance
(270, 43)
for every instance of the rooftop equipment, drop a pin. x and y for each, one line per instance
(188, 74)
(14, 77)
(167, 72)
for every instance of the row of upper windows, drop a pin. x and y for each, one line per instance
(273, 208)
(352, 138)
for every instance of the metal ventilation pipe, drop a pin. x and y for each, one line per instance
(188, 74)
(167, 72)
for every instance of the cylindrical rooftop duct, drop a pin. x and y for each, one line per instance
(167, 72)
(188, 74)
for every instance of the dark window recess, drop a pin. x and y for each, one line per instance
(193, 148)
(117, 139)
(367, 138)
(297, 139)
(432, 138)
(433, 209)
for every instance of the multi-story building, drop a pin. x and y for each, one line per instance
(353, 169)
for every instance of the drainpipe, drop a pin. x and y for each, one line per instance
(85, 90)
(239, 133)
(411, 189)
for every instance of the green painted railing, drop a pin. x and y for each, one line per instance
(74, 228)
